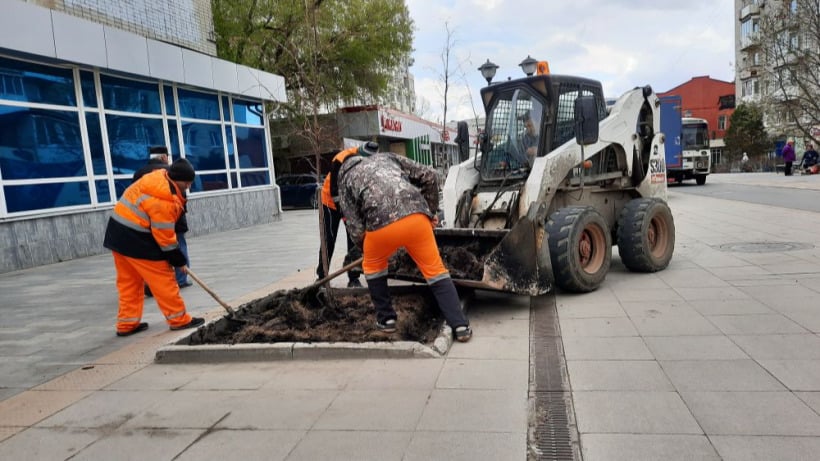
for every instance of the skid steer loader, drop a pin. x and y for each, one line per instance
(559, 180)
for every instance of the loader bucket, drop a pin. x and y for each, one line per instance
(512, 260)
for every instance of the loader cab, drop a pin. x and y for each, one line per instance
(528, 118)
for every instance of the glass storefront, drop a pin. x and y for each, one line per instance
(72, 137)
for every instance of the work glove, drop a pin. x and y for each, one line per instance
(176, 258)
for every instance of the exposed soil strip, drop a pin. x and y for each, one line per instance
(342, 315)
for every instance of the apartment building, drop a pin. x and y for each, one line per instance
(772, 39)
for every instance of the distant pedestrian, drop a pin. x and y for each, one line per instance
(158, 158)
(141, 237)
(390, 201)
(810, 158)
(332, 216)
(788, 157)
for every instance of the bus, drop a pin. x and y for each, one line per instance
(696, 157)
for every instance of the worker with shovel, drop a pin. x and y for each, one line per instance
(390, 201)
(141, 237)
(331, 216)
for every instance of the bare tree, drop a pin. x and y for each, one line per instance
(790, 42)
(451, 71)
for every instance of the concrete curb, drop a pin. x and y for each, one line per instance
(217, 353)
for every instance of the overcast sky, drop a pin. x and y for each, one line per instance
(621, 43)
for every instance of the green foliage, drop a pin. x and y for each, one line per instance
(329, 51)
(746, 133)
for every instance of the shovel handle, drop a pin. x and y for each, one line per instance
(211, 292)
(336, 274)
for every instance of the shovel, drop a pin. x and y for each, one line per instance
(231, 311)
(310, 290)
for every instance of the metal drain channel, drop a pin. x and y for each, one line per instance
(553, 435)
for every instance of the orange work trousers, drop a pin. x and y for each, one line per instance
(132, 274)
(415, 234)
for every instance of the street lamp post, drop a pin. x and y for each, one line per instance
(528, 65)
(488, 71)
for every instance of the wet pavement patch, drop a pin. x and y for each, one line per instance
(334, 323)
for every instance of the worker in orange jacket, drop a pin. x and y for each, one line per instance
(141, 237)
(332, 215)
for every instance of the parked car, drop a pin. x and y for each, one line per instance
(299, 190)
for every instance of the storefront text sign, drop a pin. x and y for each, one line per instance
(390, 124)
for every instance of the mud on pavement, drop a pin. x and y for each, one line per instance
(334, 315)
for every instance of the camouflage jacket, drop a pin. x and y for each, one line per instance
(379, 190)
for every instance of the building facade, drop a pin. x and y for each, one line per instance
(712, 100)
(395, 131)
(87, 86)
(776, 41)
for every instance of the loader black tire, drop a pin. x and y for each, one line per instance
(646, 235)
(580, 246)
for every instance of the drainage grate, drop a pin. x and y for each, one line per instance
(764, 247)
(553, 435)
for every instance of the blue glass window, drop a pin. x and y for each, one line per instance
(120, 185)
(173, 135)
(229, 139)
(247, 112)
(205, 182)
(39, 143)
(170, 105)
(255, 178)
(130, 138)
(89, 93)
(129, 95)
(43, 196)
(95, 142)
(193, 104)
(103, 193)
(226, 109)
(250, 142)
(23, 81)
(203, 145)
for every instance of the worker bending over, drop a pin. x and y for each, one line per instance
(141, 237)
(390, 201)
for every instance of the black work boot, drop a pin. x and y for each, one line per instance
(380, 295)
(448, 303)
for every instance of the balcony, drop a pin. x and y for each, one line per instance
(748, 11)
(750, 41)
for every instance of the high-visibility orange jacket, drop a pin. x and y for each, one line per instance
(142, 222)
(330, 188)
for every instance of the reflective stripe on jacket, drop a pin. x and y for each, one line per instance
(142, 222)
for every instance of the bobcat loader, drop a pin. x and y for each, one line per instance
(558, 181)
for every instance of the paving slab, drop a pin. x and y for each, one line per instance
(632, 412)
(752, 413)
(647, 447)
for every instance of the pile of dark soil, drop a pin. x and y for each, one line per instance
(463, 262)
(338, 315)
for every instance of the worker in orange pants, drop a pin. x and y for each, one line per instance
(142, 239)
(390, 201)
(160, 276)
